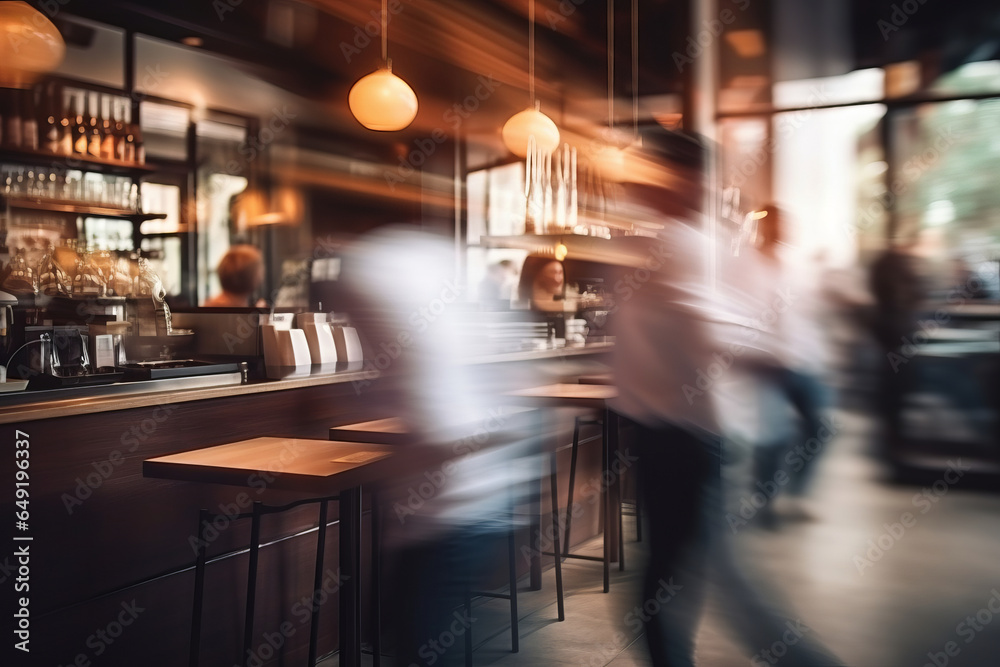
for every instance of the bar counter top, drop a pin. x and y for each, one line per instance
(35, 405)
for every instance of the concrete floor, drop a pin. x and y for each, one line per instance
(925, 593)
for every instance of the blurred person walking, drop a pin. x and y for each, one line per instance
(469, 462)
(789, 443)
(664, 344)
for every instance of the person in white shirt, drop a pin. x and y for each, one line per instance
(794, 430)
(665, 349)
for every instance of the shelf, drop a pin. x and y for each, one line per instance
(58, 206)
(81, 162)
(620, 250)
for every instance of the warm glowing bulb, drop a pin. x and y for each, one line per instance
(382, 101)
(29, 45)
(561, 251)
(528, 123)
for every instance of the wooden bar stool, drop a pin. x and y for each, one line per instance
(319, 471)
(589, 396)
(608, 379)
(205, 518)
(393, 431)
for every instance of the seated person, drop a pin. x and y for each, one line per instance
(241, 272)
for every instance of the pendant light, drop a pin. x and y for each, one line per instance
(382, 101)
(531, 122)
(30, 45)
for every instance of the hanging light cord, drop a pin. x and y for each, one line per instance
(531, 51)
(385, 37)
(611, 64)
(635, 69)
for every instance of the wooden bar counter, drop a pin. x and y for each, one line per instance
(111, 553)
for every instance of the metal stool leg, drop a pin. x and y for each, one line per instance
(251, 584)
(611, 419)
(572, 483)
(317, 584)
(555, 531)
(638, 508)
(199, 590)
(605, 505)
(376, 524)
(621, 534)
(468, 632)
(512, 573)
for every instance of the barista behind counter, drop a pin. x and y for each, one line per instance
(543, 284)
(544, 289)
(241, 273)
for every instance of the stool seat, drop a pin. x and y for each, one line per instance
(597, 378)
(389, 431)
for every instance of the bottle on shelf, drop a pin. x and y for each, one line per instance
(118, 131)
(51, 130)
(29, 120)
(67, 111)
(140, 148)
(129, 152)
(12, 121)
(107, 129)
(80, 137)
(93, 126)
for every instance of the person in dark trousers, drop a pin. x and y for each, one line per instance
(663, 347)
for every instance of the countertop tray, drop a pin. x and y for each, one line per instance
(157, 370)
(46, 381)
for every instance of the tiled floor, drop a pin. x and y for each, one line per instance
(877, 592)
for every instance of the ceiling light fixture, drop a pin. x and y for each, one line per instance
(30, 45)
(531, 122)
(382, 101)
